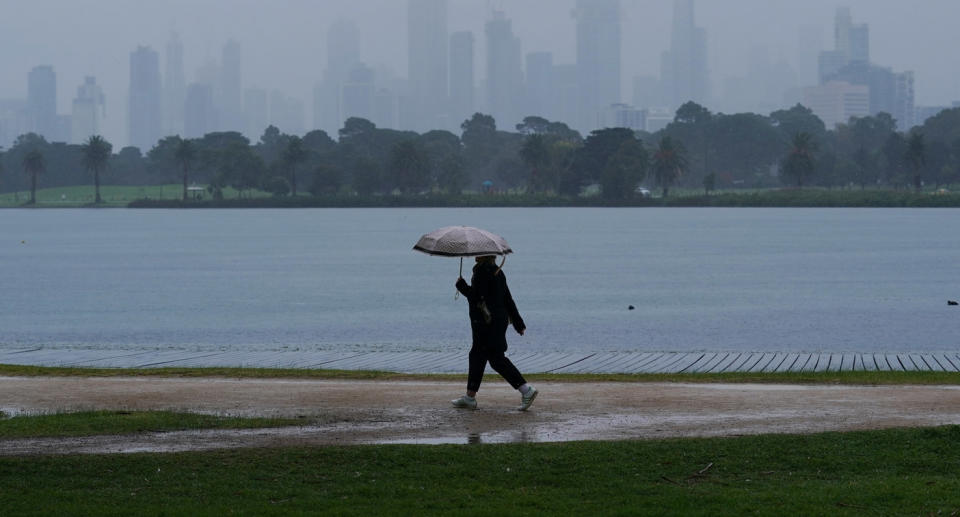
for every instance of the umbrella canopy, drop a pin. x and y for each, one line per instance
(462, 241)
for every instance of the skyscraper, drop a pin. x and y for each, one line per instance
(343, 54)
(598, 58)
(199, 112)
(88, 108)
(42, 101)
(851, 45)
(174, 87)
(143, 115)
(427, 50)
(255, 109)
(504, 71)
(358, 92)
(462, 83)
(229, 98)
(683, 68)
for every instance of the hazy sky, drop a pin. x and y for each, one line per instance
(283, 40)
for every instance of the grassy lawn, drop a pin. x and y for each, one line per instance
(89, 423)
(892, 472)
(112, 195)
(858, 378)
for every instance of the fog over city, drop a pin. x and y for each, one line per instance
(760, 54)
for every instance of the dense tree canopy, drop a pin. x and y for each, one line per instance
(718, 151)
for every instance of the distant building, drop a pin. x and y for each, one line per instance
(89, 106)
(286, 113)
(14, 120)
(143, 115)
(656, 119)
(256, 112)
(837, 101)
(42, 102)
(343, 54)
(567, 91)
(541, 95)
(385, 109)
(683, 68)
(229, 92)
(462, 82)
(200, 112)
(358, 92)
(622, 115)
(174, 87)
(504, 85)
(427, 63)
(598, 57)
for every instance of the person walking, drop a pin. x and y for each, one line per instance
(492, 309)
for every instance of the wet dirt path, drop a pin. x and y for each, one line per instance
(364, 412)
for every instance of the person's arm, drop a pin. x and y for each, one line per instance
(464, 287)
(512, 311)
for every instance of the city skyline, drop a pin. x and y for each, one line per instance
(637, 61)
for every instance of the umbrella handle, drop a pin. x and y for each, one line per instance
(504, 261)
(456, 295)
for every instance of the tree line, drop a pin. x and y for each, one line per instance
(698, 149)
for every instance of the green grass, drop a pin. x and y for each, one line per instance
(857, 378)
(88, 423)
(892, 472)
(112, 195)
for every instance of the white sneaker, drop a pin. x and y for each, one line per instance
(526, 400)
(465, 402)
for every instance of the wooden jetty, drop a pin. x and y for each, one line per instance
(528, 362)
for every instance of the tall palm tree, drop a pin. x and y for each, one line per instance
(669, 163)
(185, 153)
(294, 155)
(33, 164)
(799, 162)
(96, 153)
(916, 156)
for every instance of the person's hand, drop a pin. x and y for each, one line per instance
(520, 330)
(461, 282)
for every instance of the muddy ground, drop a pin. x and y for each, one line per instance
(365, 412)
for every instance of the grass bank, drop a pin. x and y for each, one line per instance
(87, 423)
(851, 378)
(902, 472)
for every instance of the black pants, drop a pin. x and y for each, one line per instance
(479, 356)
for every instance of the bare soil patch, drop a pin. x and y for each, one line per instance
(363, 412)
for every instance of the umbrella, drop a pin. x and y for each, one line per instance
(462, 241)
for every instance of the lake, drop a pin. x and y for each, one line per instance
(700, 279)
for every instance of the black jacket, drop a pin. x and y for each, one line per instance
(490, 287)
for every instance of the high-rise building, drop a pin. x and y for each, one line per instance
(14, 120)
(385, 109)
(199, 113)
(427, 64)
(89, 107)
(256, 112)
(837, 101)
(143, 114)
(851, 45)
(343, 54)
(462, 82)
(42, 102)
(541, 98)
(229, 96)
(174, 87)
(504, 71)
(904, 108)
(683, 68)
(647, 92)
(286, 113)
(598, 58)
(358, 92)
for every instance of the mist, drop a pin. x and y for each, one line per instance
(283, 43)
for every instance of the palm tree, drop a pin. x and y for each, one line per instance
(294, 155)
(184, 153)
(96, 153)
(916, 156)
(33, 164)
(799, 163)
(669, 163)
